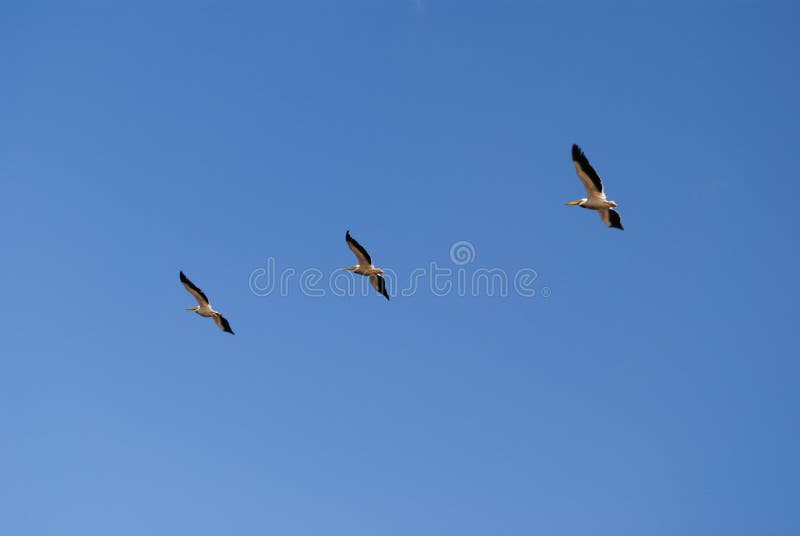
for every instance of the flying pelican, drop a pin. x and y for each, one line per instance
(365, 267)
(594, 189)
(204, 308)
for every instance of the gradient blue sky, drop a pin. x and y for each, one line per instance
(654, 392)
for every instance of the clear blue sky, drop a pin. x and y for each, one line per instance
(653, 392)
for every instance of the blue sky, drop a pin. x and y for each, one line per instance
(652, 391)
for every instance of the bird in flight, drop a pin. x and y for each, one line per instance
(204, 308)
(594, 189)
(365, 266)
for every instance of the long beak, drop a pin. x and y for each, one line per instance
(190, 308)
(578, 202)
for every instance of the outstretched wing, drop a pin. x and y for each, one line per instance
(194, 291)
(586, 173)
(361, 254)
(379, 284)
(611, 218)
(223, 323)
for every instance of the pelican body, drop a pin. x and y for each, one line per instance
(203, 307)
(365, 266)
(594, 189)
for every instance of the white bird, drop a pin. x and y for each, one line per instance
(594, 189)
(204, 308)
(365, 266)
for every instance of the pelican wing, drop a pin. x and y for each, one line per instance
(586, 173)
(223, 323)
(611, 218)
(379, 284)
(361, 254)
(194, 291)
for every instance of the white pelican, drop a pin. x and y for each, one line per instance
(204, 308)
(365, 267)
(594, 189)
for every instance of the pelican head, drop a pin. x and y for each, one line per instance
(378, 271)
(195, 308)
(351, 268)
(578, 202)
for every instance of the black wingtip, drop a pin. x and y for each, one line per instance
(384, 291)
(576, 151)
(614, 220)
